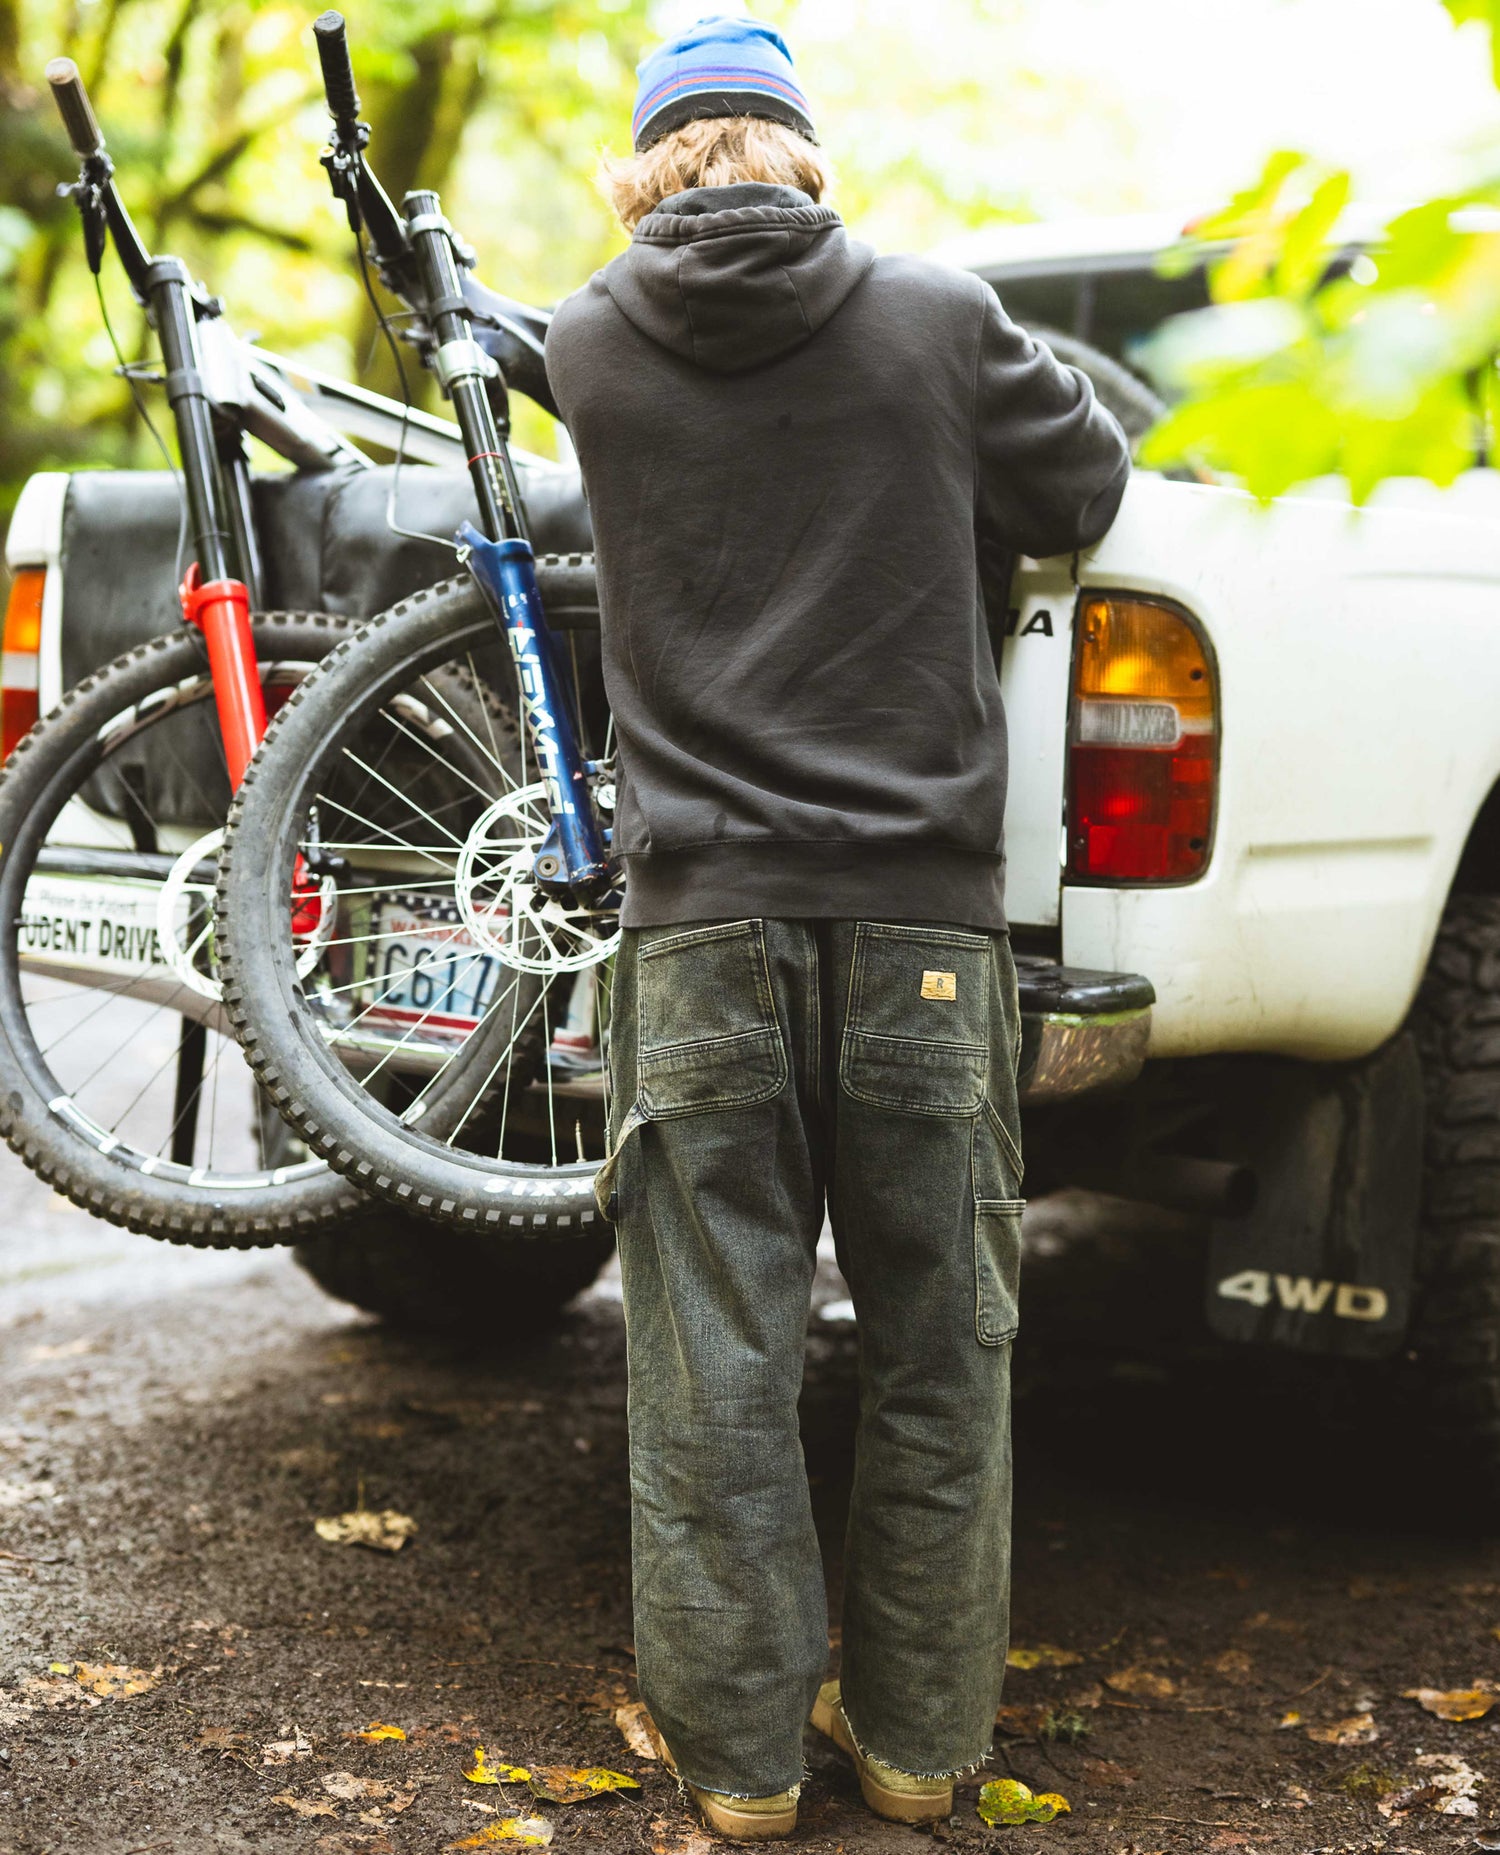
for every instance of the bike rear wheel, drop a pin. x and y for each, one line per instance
(495, 999)
(119, 1081)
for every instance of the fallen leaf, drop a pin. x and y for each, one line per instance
(1008, 1800)
(631, 1720)
(386, 1531)
(1145, 1683)
(1448, 1791)
(114, 1681)
(483, 1772)
(1024, 1722)
(12, 1712)
(305, 1806)
(1091, 1696)
(1296, 1796)
(221, 1739)
(671, 1838)
(378, 1730)
(57, 1690)
(283, 1751)
(1358, 1730)
(1233, 1664)
(570, 1784)
(351, 1789)
(1290, 1718)
(1455, 1703)
(1044, 1655)
(530, 1831)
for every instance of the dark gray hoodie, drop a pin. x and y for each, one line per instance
(794, 451)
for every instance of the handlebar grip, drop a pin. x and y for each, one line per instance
(338, 72)
(73, 106)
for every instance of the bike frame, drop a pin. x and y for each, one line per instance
(217, 389)
(421, 259)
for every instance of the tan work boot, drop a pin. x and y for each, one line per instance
(900, 1796)
(737, 1819)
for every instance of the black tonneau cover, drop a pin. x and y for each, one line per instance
(324, 539)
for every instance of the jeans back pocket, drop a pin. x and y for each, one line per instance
(709, 1037)
(917, 1033)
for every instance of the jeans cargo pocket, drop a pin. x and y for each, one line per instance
(997, 1268)
(708, 1031)
(917, 1033)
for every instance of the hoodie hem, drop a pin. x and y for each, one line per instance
(798, 880)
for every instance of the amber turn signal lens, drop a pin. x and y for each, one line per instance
(20, 667)
(1143, 753)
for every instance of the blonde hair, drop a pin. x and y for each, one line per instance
(717, 152)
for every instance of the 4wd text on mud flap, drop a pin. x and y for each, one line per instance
(1300, 1294)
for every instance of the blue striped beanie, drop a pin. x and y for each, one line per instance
(718, 67)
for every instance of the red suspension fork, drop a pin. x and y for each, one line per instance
(221, 611)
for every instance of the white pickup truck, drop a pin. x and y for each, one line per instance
(1254, 868)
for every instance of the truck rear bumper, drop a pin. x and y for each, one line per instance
(1080, 1030)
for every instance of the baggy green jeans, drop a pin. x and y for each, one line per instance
(760, 1068)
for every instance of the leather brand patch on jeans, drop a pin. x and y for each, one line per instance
(764, 1070)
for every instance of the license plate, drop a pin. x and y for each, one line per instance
(425, 968)
(92, 924)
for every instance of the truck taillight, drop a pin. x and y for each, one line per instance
(1143, 744)
(21, 663)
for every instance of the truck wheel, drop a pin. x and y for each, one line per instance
(1118, 390)
(1453, 1356)
(423, 1278)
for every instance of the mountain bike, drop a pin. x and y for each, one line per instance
(118, 1082)
(490, 969)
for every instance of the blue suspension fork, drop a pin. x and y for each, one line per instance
(573, 855)
(419, 257)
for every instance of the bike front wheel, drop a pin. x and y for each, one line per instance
(119, 1082)
(445, 1050)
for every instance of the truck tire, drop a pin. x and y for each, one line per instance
(1451, 1368)
(1117, 389)
(428, 1280)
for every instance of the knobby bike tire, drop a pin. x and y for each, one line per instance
(279, 1204)
(284, 1044)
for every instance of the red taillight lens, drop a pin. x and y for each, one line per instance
(1144, 744)
(22, 646)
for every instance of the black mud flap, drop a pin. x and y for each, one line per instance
(1324, 1261)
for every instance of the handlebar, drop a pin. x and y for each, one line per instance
(338, 69)
(73, 105)
(100, 206)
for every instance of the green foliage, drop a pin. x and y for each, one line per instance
(1305, 368)
(1488, 13)
(212, 110)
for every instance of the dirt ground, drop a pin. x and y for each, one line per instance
(1207, 1584)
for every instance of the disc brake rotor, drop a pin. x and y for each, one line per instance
(502, 907)
(184, 941)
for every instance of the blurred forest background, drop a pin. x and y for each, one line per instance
(942, 120)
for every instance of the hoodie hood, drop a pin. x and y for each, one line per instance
(732, 277)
